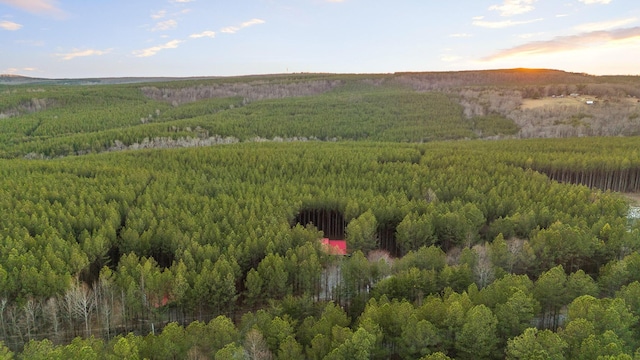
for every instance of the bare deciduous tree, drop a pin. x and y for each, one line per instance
(52, 311)
(251, 91)
(3, 306)
(80, 303)
(30, 309)
(483, 270)
(256, 346)
(104, 302)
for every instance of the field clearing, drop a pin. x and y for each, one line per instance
(550, 101)
(578, 101)
(632, 101)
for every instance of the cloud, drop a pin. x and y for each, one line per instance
(38, 7)
(478, 17)
(590, 2)
(165, 25)
(82, 53)
(234, 29)
(567, 43)
(207, 33)
(10, 25)
(159, 14)
(14, 70)
(155, 49)
(252, 22)
(230, 30)
(605, 25)
(530, 35)
(514, 7)
(460, 35)
(502, 24)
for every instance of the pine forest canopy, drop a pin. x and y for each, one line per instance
(467, 248)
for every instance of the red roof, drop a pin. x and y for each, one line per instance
(335, 247)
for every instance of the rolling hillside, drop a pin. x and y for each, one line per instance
(50, 119)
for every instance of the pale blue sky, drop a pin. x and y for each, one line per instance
(112, 38)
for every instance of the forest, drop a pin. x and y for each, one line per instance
(183, 219)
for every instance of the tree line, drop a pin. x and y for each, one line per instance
(54, 120)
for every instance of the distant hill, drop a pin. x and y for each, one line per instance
(439, 79)
(10, 79)
(60, 117)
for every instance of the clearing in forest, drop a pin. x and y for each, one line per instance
(577, 101)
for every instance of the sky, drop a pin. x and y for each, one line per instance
(178, 38)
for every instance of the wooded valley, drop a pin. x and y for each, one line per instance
(183, 219)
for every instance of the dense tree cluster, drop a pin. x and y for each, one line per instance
(88, 122)
(613, 166)
(463, 249)
(105, 244)
(54, 120)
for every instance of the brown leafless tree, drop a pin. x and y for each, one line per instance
(80, 303)
(256, 346)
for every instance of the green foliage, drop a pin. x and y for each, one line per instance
(5, 353)
(478, 337)
(605, 315)
(231, 351)
(415, 232)
(41, 350)
(290, 349)
(425, 258)
(130, 241)
(358, 347)
(516, 314)
(617, 273)
(80, 120)
(550, 291)
(127, 347)
(536, 344)
(493, 125)
(436, 356)
(419, 337)
(273, 273)
(413, 284)
(564, 245)
(361, 233)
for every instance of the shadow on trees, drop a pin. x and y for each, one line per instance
(387, 237)
(333, 224)
(330, 222)
(622, 180)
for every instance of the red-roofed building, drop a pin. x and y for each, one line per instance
(335, 247)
